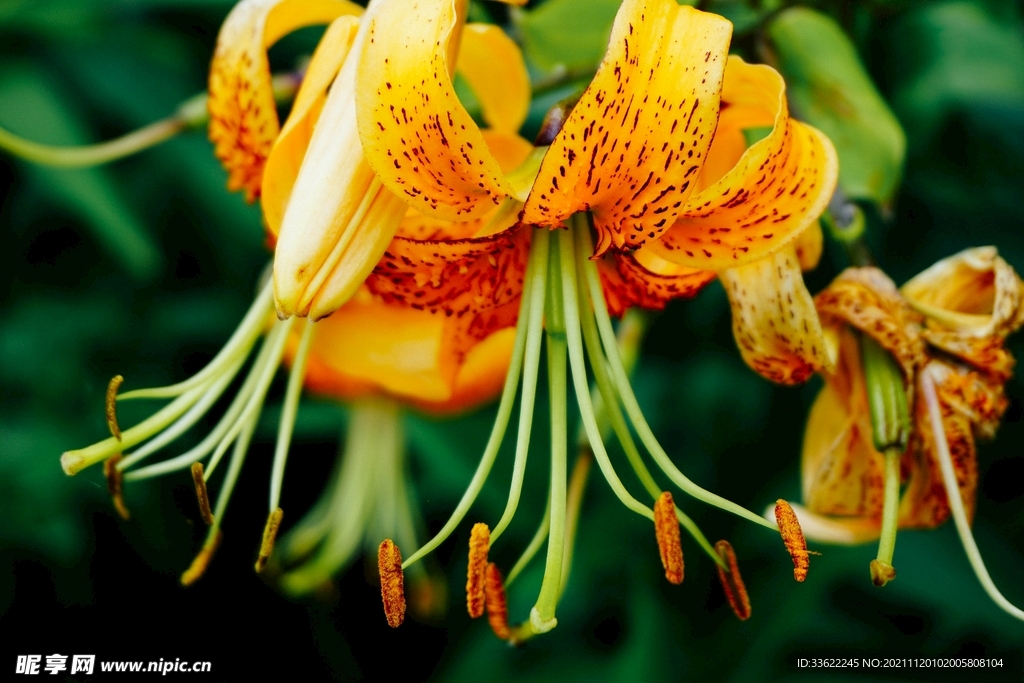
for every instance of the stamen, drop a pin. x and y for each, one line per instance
(632, 406)
(793, 537)
(202, 496)
(537, 262)
(533, 547)
(497, 604)
(956, 503)
(114, 484)
(732, 582)
(111, 409)
(666, 530)
(288, 413)
(479, 546)
(269, 535)
(198, 567)
(392, 582)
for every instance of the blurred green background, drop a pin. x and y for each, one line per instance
(145, 266)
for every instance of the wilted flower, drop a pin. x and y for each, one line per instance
(945, 329)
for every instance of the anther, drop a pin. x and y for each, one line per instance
(479, 546)
(198, 567)
(269, 535)
(392, 582)
(111, 407)
(497, 604)
(201, 495)
(732, 582)
(115, 481)
(666, 530)
(793, 537)
(882, 572)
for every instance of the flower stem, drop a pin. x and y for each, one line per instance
(956, 503)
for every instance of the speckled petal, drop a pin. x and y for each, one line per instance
(774, 320)
(243, 114)
(776, 189)
(417, 136)
(640, 279)
(633, 145)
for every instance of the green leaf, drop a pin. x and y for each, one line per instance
(32, 106)
(829, 88)
(550, 43)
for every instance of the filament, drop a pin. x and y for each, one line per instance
(956, 503)
(288, 412)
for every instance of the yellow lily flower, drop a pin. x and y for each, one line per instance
(372, 348)
(946, 329)
(331, 216)
(637, 153)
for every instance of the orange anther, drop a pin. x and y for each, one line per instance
(666, 530)
(111, 409)
(114, 482)
(479, 546)
(198, 567)
(497, 605)
(201, 494)
(793, 537)
(392, 582)
(732, 582)
(269, 535)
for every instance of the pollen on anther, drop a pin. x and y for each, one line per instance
(793, 537)
(111, 406)
(115, 481)
(392, 582)
(479, 546)
(202, 496)
(497, 604)
(269, 536)
(666, 530)
(732, 582)
(202, 560)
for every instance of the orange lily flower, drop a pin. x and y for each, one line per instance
(369, 348)
(639, 152)
(946, 329)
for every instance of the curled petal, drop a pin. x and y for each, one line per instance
(493, 66)
(924, 502)
(285, 160)
(641, 279)
(633, 145)
(417, 136)
(243, 114)
(774, 320)
(974, 292)
(775, 190)
(866, 299)
(842, 473)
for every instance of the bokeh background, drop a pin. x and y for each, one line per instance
(145, 266)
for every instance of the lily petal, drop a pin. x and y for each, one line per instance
(417, 136)
(774, 320)
(493, 66)
(841, 471)
(243, 114)
(776, 189)
(285, 160)
(868, 300)
(632, 146)
(924, 502)
(339, 218)
(644, 280)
